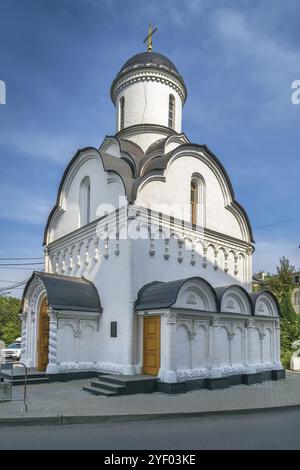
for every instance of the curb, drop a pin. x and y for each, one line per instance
(92, 419)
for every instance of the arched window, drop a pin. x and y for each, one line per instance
(85, 201)
(122, 112)
(197, 200)
(194, 202)
(171, 111)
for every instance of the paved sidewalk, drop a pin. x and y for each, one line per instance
(66, 402)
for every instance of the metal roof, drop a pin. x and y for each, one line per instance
(163, 294)
(144, 58)
(68, 292)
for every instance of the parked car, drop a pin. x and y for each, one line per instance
(13, 351)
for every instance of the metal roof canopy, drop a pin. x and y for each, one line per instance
(68, 292)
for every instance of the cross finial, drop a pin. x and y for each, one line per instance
(149, 37)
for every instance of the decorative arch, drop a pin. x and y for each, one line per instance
(157, 170)
(234, 299)
(109, 164)
(191, 293)
(266, 304)
(196, 294)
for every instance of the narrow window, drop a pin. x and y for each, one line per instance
(85, 201)
(122, 112)
(171, 111)
(194, 202)
(113, 329)
(197, 200)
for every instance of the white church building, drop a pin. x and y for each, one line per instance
(148, 255)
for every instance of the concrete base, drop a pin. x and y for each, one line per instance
(250, 379)
(180, 387)
(278, 374)
(217, 383)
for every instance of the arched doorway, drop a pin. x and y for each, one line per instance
(43, 337)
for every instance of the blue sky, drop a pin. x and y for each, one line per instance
(238, 58)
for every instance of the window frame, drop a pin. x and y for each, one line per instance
(122, 113)
(171, 112)
(85, 202)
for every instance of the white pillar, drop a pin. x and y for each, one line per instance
(52, 356)
(23, 317)
(277, 360)
(32, 337)
(167, 372)
(129, 368)
(215, 361)
(249, 351)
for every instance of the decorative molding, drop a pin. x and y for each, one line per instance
(147, 74)
(171, 318)
(191, 299)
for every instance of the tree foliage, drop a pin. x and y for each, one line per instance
(282, 286)
(10, 324)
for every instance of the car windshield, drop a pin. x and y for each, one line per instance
(14, 346)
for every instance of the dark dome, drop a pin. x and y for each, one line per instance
(149, 57)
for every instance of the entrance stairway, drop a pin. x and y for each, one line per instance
(18, 376)
(113, 385)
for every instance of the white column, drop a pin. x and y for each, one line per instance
(249, 351)
(215, 361)
(277, 360)
(52, 356)
(167, 373)
(31, 340)
(23, 317)
(129, 368)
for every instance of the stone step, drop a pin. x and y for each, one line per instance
(30, 381)
(108, 385)
(99, 391)
(18, 376)
(110, 379)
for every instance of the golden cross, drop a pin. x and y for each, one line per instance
(149, 37)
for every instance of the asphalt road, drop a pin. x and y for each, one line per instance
(261, 430)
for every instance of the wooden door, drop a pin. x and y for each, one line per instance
(43, 337)
(151, 345)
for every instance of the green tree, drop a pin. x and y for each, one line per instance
(282, 283)
(282, 286)
(10, 324)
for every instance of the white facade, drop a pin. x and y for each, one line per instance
(122, 220)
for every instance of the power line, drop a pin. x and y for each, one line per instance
(7, 259)
(14, 286)
(20, 264)
(277, 223)
(18, 269)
